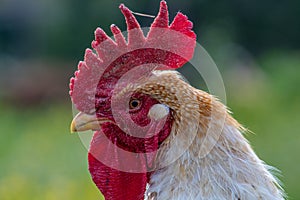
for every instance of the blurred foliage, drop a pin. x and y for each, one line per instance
(269, 107)
(254, 43)
(40, 159)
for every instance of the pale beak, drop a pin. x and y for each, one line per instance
(84, 122)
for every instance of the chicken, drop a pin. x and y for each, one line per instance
(156, 136)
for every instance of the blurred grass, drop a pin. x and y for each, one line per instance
(269, 106)
(41, 160)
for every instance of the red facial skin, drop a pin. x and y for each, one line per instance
(114, 183)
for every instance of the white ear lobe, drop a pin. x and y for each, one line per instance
(158, 111)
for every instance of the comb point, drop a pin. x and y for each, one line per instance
(182, 24)
(114, 29)
(119, 37)
(131, 21)
(162, 19)
(100, 36)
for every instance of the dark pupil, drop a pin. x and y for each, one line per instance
(134, 103)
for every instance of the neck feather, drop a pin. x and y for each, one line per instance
(221, 166)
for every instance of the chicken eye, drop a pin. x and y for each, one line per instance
(134, 103)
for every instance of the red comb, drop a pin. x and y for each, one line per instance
(169, 45)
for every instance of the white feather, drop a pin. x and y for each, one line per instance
(220, 175)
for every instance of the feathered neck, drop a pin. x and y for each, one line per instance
(215, 166)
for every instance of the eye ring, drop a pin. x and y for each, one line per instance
(134, 103)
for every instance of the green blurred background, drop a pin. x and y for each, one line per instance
(255, 44)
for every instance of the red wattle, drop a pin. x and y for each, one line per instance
(106, 165)
(115, 184)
